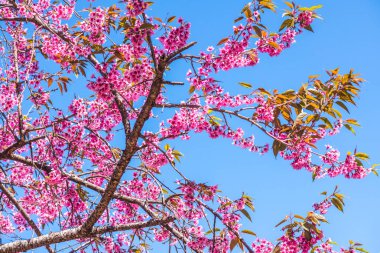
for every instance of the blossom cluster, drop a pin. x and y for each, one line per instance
(176, 37)
(96, 25)
(136, 7)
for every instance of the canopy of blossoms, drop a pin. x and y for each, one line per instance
(67, 185)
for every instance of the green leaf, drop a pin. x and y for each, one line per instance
(340, 197)
(290, 5)
(277, 249)
(349, 128)
(171, 19)
(362, 250)
(116, 152)
(315, 7)
(337, 203)
(258, 31)
(192, 89)
(313, 176)
(286, 23)
(245, 8)
(337, 112)
(60, 87)
(268, 4)
(158, 19)
(177, 155)
(359, 163)
(309, 28)
(281, 222)
(274, 44)
(320, 217)
(238, 19)
(362, 156)
(82, 71)
(299, 217)
(83, 195)
(341, 104)
(215, 120)
(50, 82)
(313, 76)
(246, 85)
(352, 122)
(64, 79)
(246, 214)
(146, 26)
(222, 41)
(233, 243)
(250, 205)
(278, 146)
(246, 231)
(248, 13)
(299, 118)
(212, 231)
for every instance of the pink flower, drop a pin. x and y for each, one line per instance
(305, 18)
(40, 97)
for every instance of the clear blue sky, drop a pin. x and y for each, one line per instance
(348, 37)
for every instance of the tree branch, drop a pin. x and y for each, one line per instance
(130, 148)
(23, 213)
(75, 233)
(128, 199)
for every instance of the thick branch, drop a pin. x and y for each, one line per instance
(172, 55)
(75, 233)
(130, 148)
(19, 144)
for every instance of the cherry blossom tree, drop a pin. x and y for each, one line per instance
(81, 169)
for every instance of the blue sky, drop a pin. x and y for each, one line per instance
(347, 37)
